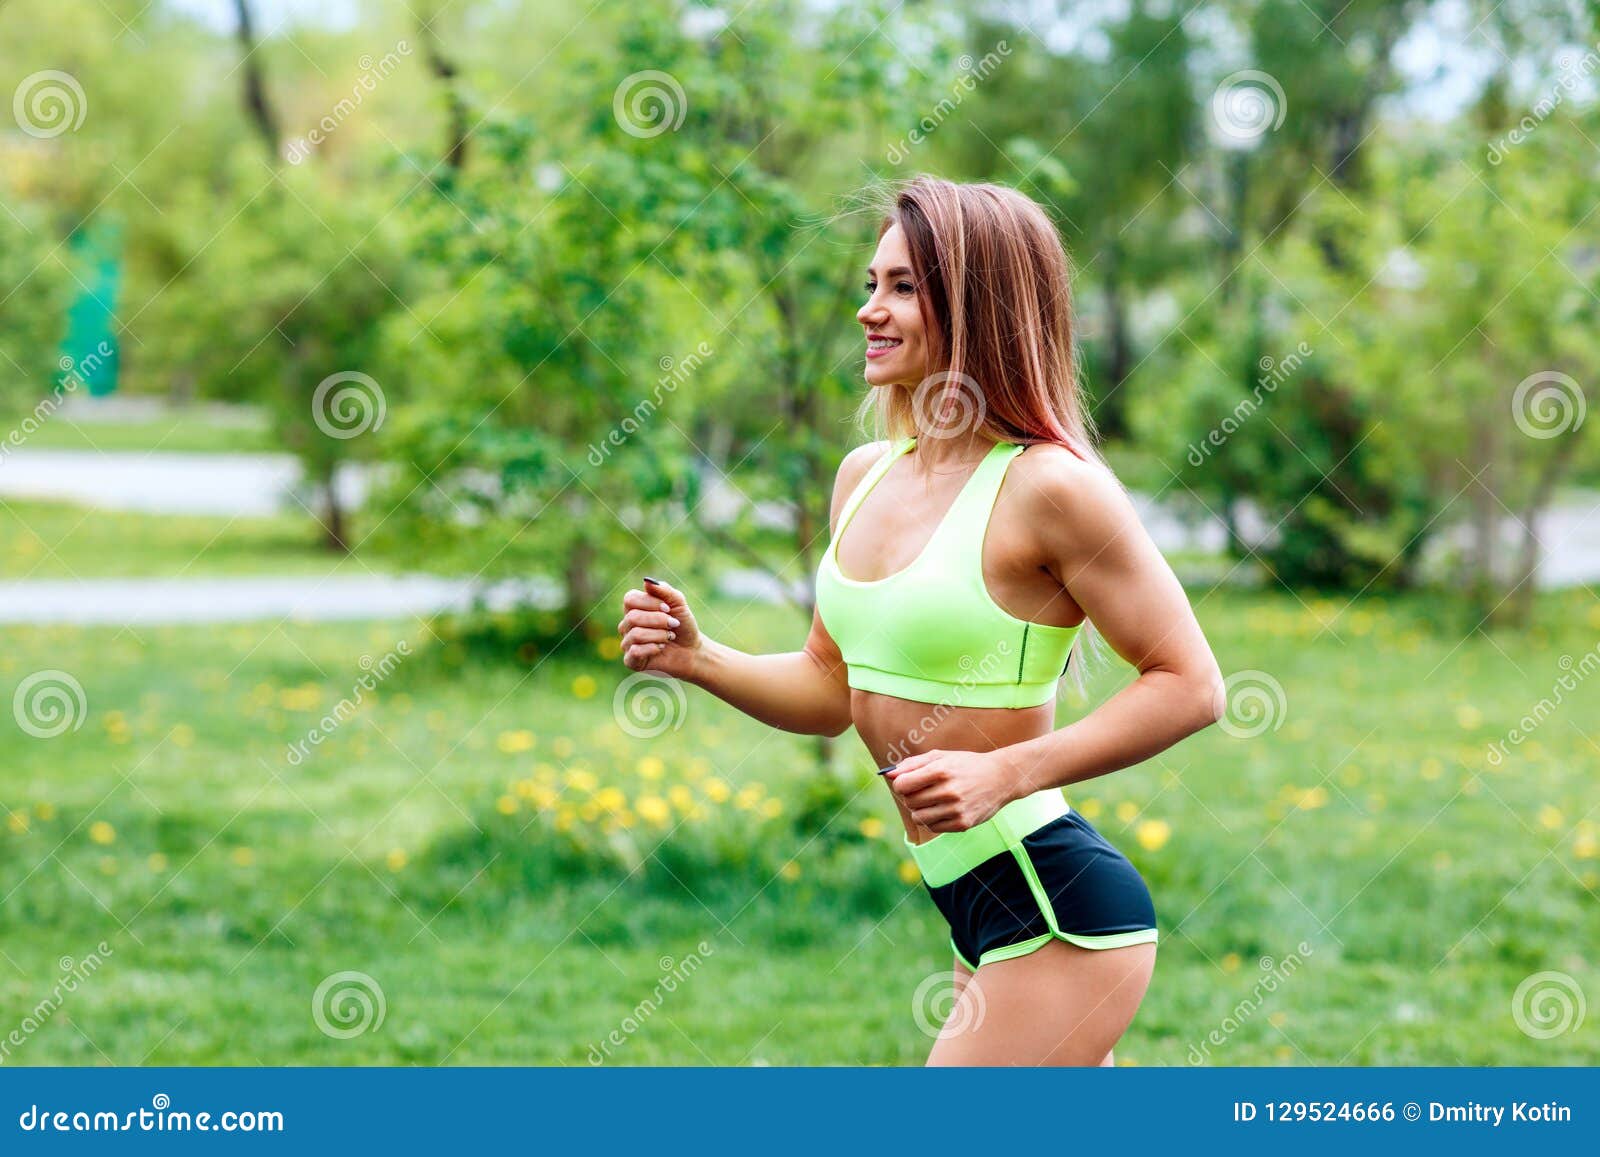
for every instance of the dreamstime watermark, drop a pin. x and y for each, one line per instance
(1277, 971)
(376, 672)
(72, 376)
(1548, 404)
(347, 1004)
(1546, 707)
(940, 1009)
(49, 103)
(1251, 703)
(73, 973)
(973, 73)
(674, 372)
(49, 703)
(1572, 71)
(947, 404)
(1246, 105)
(974, 672)
(649, 103)
(647, 705)
(1273, 374)
(1548, 1004)
(674, 972)
(372, 72)
(347, 404)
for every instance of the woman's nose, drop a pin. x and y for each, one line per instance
(868, 312)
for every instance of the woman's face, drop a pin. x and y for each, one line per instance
(898, 347)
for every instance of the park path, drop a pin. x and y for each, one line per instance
(255, 485)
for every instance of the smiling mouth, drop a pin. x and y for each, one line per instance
(882, 344)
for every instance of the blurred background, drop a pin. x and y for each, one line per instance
(357, 357)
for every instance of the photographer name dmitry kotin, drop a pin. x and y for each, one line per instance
(1520, 1111)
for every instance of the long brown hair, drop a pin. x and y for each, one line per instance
(994, 289)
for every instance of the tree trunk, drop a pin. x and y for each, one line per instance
(444, 70)
(580, 585)
(333, 522)
(255, 85)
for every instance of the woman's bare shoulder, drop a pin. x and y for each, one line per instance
(853, 468)
(1077, 497)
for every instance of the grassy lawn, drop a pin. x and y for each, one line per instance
(175, 433)
(461, 841)
(53, 540)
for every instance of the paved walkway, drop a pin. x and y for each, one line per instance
(260, 484)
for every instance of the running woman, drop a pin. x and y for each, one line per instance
(969, 547)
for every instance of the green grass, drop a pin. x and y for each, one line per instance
(42, 540)
(177, 433)
(1427, 883)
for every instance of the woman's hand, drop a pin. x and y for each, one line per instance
(951, 791)
(658, 631)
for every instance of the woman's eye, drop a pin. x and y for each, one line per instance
(906, 287)
(871, 287)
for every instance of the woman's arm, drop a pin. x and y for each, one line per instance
(1093, 543)
(1096, 547)
(802, 691)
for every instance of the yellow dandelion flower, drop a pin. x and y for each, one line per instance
(680, 797)
(242, 857)
(790, 871)
(1126, 810)
(610, 799)
(1230, 962)
(18, 822)
(303, 698)
(582, 780)
(1469, 717)
(563, 747)
(772, 808)
(1089, 809)
(156, 862)
(1376, 800)
(909, 873)
(526, 788)
(651, 767)
(872, 827)
(1153, 834)
(746, 799)
(182, 735)
(1283, 1052)
(396, 859)
(1550, 816)
(699, 768)
(1585, 846)
(1313, 798)
(589, 812)
(1350, 775)
(506, 805)
(513, 742)
(435, 720)
(1594, 616)
(716, 790)
(584, 686)
(563, 823)
(45, 810)
(609, 647)
(624, 818)
(1278, 1019)
(102, 833)
(1591, 879)
(653, 809)
(1432, 768)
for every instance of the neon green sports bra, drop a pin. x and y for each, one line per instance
(932, 632)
